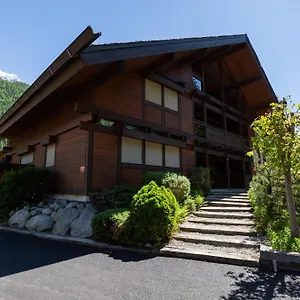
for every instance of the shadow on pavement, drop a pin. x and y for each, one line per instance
(257, 285)
(19, 253)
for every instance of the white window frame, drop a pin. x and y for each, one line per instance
(27, 158)
(50, 162)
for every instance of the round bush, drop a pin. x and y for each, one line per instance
(179, 185)
(154, 215)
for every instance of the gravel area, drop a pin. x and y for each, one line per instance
(211, 249)
(221, 236)
(224, 221)
(219, 227)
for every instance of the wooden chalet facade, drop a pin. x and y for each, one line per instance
(101, 115)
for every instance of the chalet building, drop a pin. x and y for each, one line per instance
(101, 115)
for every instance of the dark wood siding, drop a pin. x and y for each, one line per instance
(104, 161)
(132, 177)
(187, 160)
(171, 120)
(122, 94)
(152, 114)
(187, 118)
(70, 157)
(15, 159)
(39, 156)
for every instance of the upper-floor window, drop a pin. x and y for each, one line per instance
(154, 93)
(198, 83)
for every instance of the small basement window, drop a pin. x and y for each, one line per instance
(106, 123)
(27, 158)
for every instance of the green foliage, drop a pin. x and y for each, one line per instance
(275, 138)
(179, 185)
(110, 224)
(154, 215)
(283, 241)
(9, 93)
(22, 186)
(116, 197)
(157, 177)
(200, 179)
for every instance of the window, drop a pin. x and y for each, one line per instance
(27, 158)
(131, 151)
(106, 123)
(154, 154)
(50, 156)
(172, 156)
(197, 83)
(153, 92)
(170, 99)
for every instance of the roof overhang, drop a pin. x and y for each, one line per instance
(79, 56)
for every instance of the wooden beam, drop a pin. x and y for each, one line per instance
(158, 64)
(192, 57)
(50, 139)
(166, 82)
(243, 83)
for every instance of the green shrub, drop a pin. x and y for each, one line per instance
(183, 213)
(179, 185)
(199, 200)
(190, 204)
(22, 186)
(116, 197)
(200, 179)
(157, 177)
(110, 224)
(154, 215)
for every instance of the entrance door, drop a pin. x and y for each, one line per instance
(237, 179)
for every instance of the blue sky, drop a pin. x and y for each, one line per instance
(34, 32)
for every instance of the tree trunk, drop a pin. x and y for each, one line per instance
(291, 204)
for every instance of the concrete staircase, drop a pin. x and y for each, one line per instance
(222, 231)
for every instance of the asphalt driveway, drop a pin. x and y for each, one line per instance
(32, 268)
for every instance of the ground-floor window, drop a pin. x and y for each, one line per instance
(131, 151)
(50, 156)
(27, 159)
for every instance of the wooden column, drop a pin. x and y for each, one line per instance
(224, 122)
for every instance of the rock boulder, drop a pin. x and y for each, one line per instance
(40, 223)
(64, 218)
(20, 218)
(82, 227)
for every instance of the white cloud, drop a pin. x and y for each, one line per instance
(8, 76)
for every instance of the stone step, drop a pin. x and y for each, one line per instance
(227, 215)
(228, 193)
(228, 203)
(225, 209)
(218, 229)
(212, 254)
(217, 240)
(211, 198)
(221, 221)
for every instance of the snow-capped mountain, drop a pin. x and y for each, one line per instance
(8, 76)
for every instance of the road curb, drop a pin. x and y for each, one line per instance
(105, 247)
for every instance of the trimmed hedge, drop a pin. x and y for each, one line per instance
(110, 224)
(157, 177)
(22, 186)
(117, 197)
(200, 179)
(154, 214)
(179, 185)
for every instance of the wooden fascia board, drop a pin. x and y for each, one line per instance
(109, 54)
(54, 84)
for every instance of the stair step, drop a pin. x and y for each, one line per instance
(226, 209)
(221, 221)
(228, 203)
(211, 198)
(217, 229)
(222, 241)
(217, 255)
(209, 214)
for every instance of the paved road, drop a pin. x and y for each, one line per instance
(32, 268)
